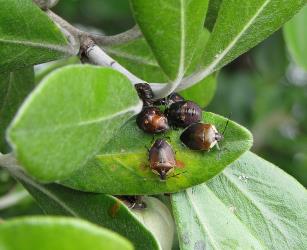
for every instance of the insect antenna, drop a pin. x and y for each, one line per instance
(226, 125)
(175, 175)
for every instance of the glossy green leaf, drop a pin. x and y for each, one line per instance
(252, 204)
(43, 233)
(240, 27)
(14, 87)
(203, 92)
(103, 210)
(172, 30)
(68, 117)
(28, 36)
(121, 166)
(296, 37)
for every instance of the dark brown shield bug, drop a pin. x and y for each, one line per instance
(201, 136)
(152, 120)
(145, 93)
(162, 158)
(183, 113)
(133, 201)
(169, 100)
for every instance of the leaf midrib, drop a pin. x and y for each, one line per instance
(63, 49)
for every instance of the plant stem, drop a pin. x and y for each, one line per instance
(12, 198)
(8, 161)
(97, 56)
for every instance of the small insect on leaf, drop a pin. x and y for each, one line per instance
(162, 158)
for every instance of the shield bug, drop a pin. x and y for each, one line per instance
(162, 158)
(201, 136)
(184, 113)
(152, 120)
(133, 202)
(169, 100)
(145, 93)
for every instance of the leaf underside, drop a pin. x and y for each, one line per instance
(251, 205)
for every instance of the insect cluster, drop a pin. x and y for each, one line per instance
(178, 112)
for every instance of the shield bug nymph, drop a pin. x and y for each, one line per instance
(152, 120)
(162, 158)
(170, 99)
(201, 136)
(184, 113)
(145, 93)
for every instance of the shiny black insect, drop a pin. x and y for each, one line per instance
(201, 136)
(152, 120)
(169, 100)
(145, 93)
(162, 158)
(183, 113)
(133, 201)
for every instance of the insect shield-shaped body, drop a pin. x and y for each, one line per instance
(201, 136)
(152, 120)
(162, 158)
(169, 100)
(184, 113)
(145, 93)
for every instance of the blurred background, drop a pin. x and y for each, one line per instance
(264, 90)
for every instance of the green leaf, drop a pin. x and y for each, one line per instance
(28, 36)
(68, 117)
(43, 233)
(172, 30)
(240, 27)
(251, 205)
(203, 92)
(296, 37)
(121, 166)
(103, 210)
(14, 86)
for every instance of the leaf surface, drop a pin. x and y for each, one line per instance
(43, 233)
(28, 36)
(68, 117)
(121, 166)
(172, 30)
(252, 204)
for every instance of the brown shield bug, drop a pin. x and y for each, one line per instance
(133, 201)
(169, 100)
(162, 158)
(184, 113)
(201, 136)
(152, 120)
(145, 93)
